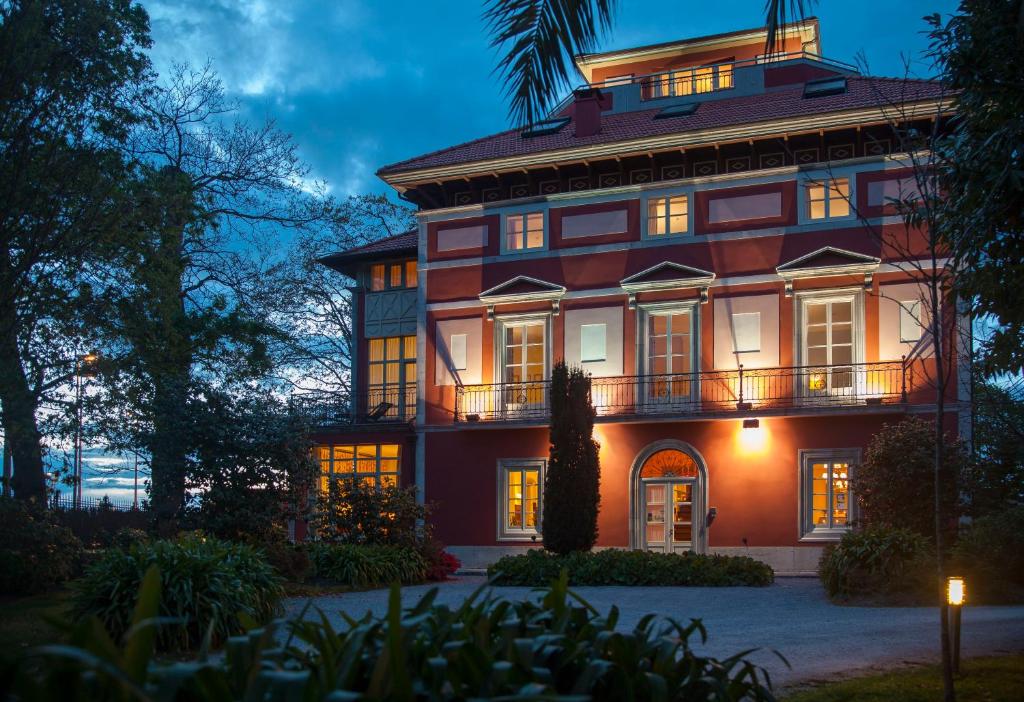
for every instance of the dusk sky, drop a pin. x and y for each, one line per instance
(361, 84)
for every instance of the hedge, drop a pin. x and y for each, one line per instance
(619, 567)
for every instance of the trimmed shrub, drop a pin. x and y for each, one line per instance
(618, 567)
(350, 512)
(36, 554)
(290, 561)
(990, 554)
(367, 566)
(880, 563)
(206, 585)
(559, 647)
(895, 483)
(572, 496)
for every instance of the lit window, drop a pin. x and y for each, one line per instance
(667, 215)
(524, 231)
(593, 342)
(370, 464)
(827, 501)
(392, 374)
(910, 320)
(521, 487)
(392, 276)
(828, 199)
(377, 277)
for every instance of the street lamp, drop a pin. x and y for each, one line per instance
(85, 367)
(956, 593)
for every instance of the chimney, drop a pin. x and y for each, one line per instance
(587, 111)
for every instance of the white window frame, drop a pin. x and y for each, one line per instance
(676, 307)
(806, 458)
(522, 212)
(801, 298)
(542, 319)
(823, 179)
(645, 209)
(505, 466)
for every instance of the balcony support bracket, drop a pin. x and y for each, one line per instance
(789, 288)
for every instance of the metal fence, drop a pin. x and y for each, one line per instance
(63, 501)
(696, 393)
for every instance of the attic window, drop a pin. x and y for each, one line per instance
(687, 108)
(825, 86)
(547, 126)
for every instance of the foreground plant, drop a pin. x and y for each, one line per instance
(558, 647)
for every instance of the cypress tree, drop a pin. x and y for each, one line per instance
(572, 483)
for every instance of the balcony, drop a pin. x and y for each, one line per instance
(378, 404)
(707, 393)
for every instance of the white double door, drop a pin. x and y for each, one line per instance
(830, 345)
(670, 509)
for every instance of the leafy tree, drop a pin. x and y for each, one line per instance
(68, 74)
(997, 476)
(980, 52)
(894, 484)
(572, 483)
(314, 303)
(252, 468)
(212, 198)
(540, 38)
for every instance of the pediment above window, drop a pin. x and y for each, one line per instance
(667, 276)
(828, 260)
(522, 288)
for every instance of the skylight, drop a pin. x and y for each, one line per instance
(687, 108)
(825, 86)
(547, 126)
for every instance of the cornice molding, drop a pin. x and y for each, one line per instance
(546, 291)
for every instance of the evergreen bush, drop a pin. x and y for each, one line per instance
(635, 568)
(364, 566)
(881, 564)
(990, 554)
(36, 553)
(207, 585)
(572, 482)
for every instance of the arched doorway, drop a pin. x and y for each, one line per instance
(668, 489)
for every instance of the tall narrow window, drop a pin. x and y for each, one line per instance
(524, 231)
(827, 501)
(520, 497)
(669, 356)
(370, 464)
(829, 344)
(524, 365)
(828, 199)
(410, 274)
(377, 277)
(667, 215)
(392, 376)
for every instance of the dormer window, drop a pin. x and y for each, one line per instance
(392, 276)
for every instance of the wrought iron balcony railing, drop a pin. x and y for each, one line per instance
(394, 403)
(706, 392)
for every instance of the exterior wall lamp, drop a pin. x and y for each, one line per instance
(751, 423)
(956, 594)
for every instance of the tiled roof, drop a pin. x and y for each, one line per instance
(861, 92)
(382, 248)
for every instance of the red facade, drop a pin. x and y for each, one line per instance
(744, 305)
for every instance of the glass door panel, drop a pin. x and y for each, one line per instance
(654, 528)
(669, 357)
(524, 365)
(682, 516)
(829, 346)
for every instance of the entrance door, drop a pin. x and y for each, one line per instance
(829, 346)
(668, 509)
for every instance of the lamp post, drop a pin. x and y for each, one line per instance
(85, 367)
(956, 593)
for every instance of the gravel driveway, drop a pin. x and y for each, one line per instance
(792, 616)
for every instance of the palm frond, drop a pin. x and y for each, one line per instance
(777, 12)
(540, 39)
